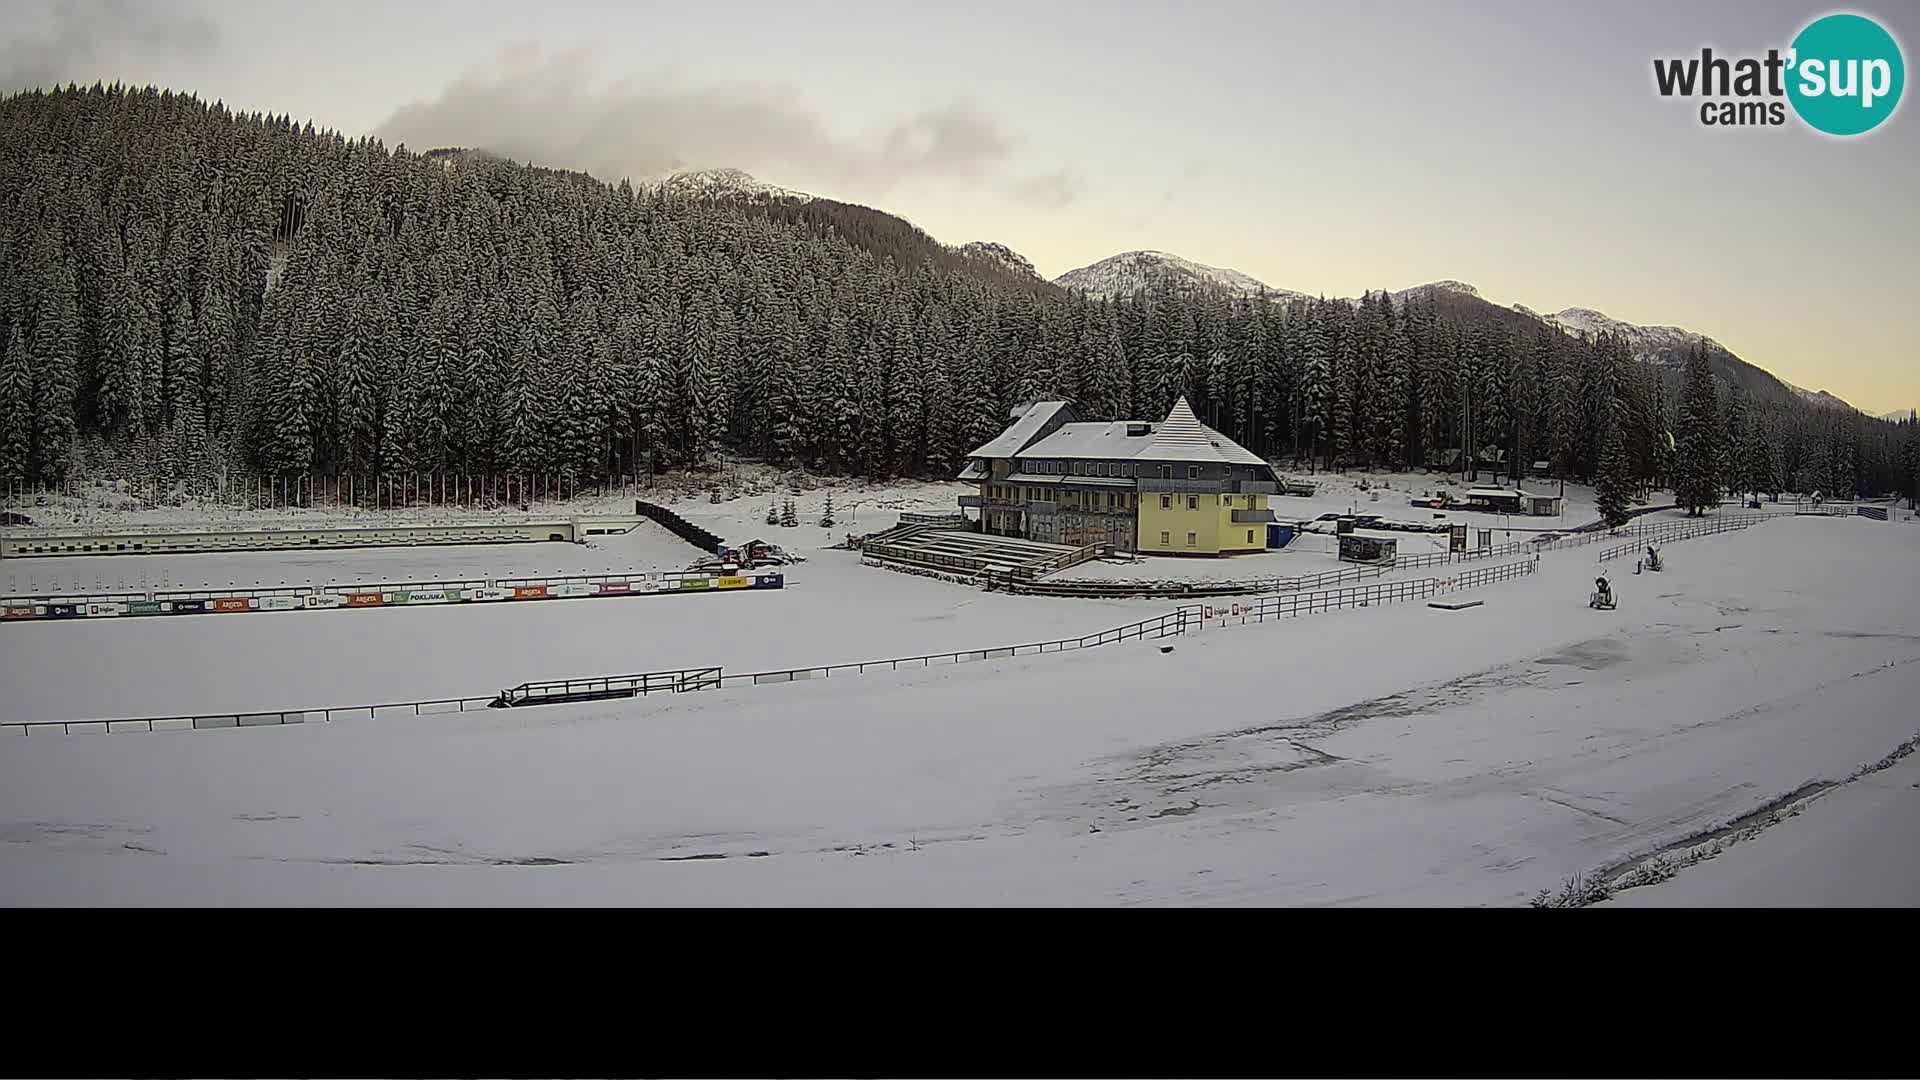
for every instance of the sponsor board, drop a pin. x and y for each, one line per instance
(279, 603)
(110, 607)
(325, 600)
(189, 607)
(233, 603)
(149, 607)
(769, 581)
(65, 611)
(615, 588)
(529, 592)
(574, 588)
(730, 583)
(21, 611)
(365, 599)
(423, 596)
(490, 593)
(692, 584)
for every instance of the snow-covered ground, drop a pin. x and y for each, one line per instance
(1395, 755)
(647, 548)
(856, 505)
(1854, 847)
(832, 610)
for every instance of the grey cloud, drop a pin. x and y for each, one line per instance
(88, 39)
(547, 109)
(1048, 191)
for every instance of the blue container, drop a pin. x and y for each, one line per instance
(1279, 536)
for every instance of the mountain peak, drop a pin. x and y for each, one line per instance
(1131, 271)
(1446, 285)
(1654, 343)
(723, 183)
(999, 255)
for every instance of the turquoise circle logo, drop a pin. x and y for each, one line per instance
(1846, 74)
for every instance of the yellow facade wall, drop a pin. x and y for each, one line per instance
(1211, 523)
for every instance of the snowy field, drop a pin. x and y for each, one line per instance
(832, 610)
(1397, 755)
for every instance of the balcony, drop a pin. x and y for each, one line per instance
(1252, 517)
(1185, 486)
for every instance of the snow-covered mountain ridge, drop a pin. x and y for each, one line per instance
(722, 183)
(1131, 271)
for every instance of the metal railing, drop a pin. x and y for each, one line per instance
(1670, 533)
(1293, 606)
(269, 718)
(608, 687)
(1171, 624)
(1122, 590)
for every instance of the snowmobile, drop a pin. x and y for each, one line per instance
(1602, 598)
(1653, 559)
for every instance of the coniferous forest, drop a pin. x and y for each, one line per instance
(186, 290)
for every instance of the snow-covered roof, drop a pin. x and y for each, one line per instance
(1023, 431)
(975, 470)
(1180, 437)
(1104, 440)
(1495, 493)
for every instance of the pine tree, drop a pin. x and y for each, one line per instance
(826, 516)
(1614, 486)
(1697, 452)
(789, 516)
(16, 410)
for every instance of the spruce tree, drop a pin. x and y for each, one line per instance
(1614, 486)
(16, 410)
(1697, 452)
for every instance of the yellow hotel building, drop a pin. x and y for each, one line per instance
(1176, 487)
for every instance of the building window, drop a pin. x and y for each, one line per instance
(1192, 540)
(1166, 472)
(1193, 472)
(1166, 502)
(1165, 541)
(1226, 500)
(1193, 502)
(1249, 536)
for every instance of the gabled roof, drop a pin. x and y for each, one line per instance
(1023, 431)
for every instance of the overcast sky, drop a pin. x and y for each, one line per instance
(1325, 147)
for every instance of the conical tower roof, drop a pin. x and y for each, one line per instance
(1181, 437)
